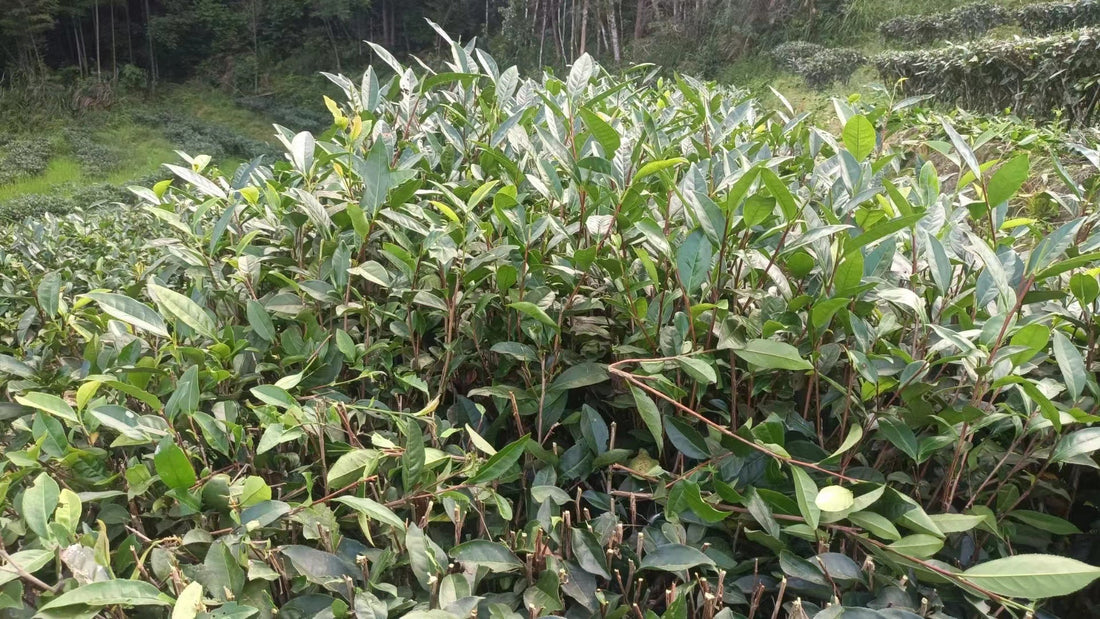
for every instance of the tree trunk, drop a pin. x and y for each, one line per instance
(641, 19)
(114, 54)
(95, 22)
(152, 52)
(584, 26)
(129, 36)
(335, 49)
(256, 45)
(613, 26)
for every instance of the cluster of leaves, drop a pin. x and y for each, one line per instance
(973, 20)
(287, 114)
(594, 346)
(820, 66)
(1039, 77)
(65, 199)
(968, 21)
(96, 158)
(195, 136)
(1050, 17)
(22, 157)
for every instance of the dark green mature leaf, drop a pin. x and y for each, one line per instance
(220, 573)
(650, 415)
(183, 309)
(590, 555)
(1071, 364)
(49, 404)
(130, 311)
(674, 558)
(500, 462)
(1045, 522)
(1084, 442)
(762, 513)
(535, 312)
(29, 561)
(805, 492)
(919, 545)
(49, 293)
(693, 261)
(772, 355)
(174, 467)
(578, 376)
(1007, 180)
(318, 566)
(901, 435)
(685, 439)
(260, 321)
(479, 552)
(110, 593)
(39, 502)
(1032, 576)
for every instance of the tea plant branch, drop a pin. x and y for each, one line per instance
(614, 369)
(31, 578)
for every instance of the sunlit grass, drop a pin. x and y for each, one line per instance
(218, 108)
(142, 149)
(61, 170)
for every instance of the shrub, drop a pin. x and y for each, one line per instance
(965, 22)
(1051, 17)
(286, 114)
(33, 205)
(595, 346)
(194, 136)
(23, 157)
(95, 157)
(791, 53)
(819, 66)
(1038, 77)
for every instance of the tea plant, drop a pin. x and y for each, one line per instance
(1038, 77)
(965, 22)
(605, 345)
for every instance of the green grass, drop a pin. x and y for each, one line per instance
(62, 170)
(142, 149)
(215, 107)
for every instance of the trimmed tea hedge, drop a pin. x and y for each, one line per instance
(966, 22)
(820, 66)
(1055, 16)
(1034, 76)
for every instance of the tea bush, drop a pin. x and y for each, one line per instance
(22, 157)
(192, 135)
(1050, 17)
(965, 22)
(820, 66)
(33, 204)
(96, 158)
(593, 346)
(1039, 77)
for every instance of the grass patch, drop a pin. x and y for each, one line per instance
(145, 151)
(217, 108)
(61, 170)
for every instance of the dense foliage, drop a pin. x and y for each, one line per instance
(1037, 77)
(965, 22)
(820, 66)
(592, 346)
(1050, 17)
